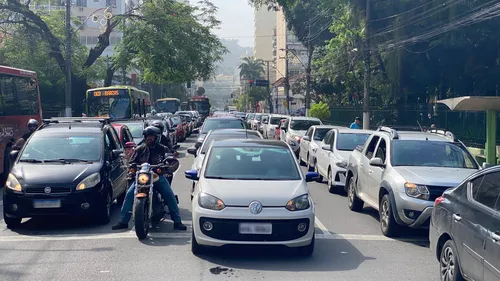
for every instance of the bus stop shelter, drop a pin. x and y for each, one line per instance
(480, 103)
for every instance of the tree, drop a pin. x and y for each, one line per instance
(320, 110)
(251, 68)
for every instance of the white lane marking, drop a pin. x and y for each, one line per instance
(131, 235)
(321, 226)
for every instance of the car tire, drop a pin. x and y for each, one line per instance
(104, 208)
(320, 178)
(308, 250)
(309, 167)
(332, 188)
(388, 224)
(448, 263)
(196, 248)
(11, 222)
(353, 201)
(301, 162)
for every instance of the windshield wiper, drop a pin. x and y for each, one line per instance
(31, 160)
(69, 160)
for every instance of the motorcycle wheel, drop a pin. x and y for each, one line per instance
(141, 215)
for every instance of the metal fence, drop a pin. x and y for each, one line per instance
(469, 126)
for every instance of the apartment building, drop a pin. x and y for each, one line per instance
(264, 30)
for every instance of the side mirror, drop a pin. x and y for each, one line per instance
(130, 144)
(312, 176)
(13, 155)
(196, 131)
(485, 165)
(306, 138)
(117, 152)
(191, 175)
(192, 150)
(326, 147)
(176, 146)
(377, 162)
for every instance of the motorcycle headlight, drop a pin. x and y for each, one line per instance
(89, 181)
(210, 202)
(417, 191)
(13, 184)
(143, 179)
(298, 203)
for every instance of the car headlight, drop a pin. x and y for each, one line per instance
(13, 183)
(89, 181)
(342, 164)
(143, 178)
(298, 203)
(207, 201)
(417, 191)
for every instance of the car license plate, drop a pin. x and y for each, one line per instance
(40, 204)
(256, 228)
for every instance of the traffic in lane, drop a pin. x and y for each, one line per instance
(349, 246)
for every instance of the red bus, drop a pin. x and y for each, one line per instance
(200, 104)
(19, 102)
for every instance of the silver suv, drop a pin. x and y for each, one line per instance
(400, 174)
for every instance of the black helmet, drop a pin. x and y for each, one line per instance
(158, 124)
(152, 131)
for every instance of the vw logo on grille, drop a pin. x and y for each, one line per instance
(255, 207)
(47, 190)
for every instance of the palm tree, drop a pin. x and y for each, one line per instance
(251, 68)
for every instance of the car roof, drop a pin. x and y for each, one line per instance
(303, 118)
(249, 143)
(344, 130)
(232, 131)
(72, 127)
(421, 136)
(227, 117)
(324, 127)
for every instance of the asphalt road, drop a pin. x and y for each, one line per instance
(349, 246)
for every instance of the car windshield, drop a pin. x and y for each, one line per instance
(213, 124)
(53, 147)
(320, 133)
(136, 129)
(348, 142)
(251, 163)
(206, 143)
(258, 117)
(176, 120)
(303, 125)
(275, 120)
(431, 154)
(250, 116)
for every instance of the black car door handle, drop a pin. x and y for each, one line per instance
(457, 217)
(495, 236)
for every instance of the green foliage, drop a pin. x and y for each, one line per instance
(251, 68)
(169, 43)
(320, 110)
(257, 94)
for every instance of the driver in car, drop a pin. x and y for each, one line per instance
(152, 152)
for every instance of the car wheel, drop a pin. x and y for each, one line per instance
(302, 163)
(11, 222)
(332, 188)
(308, 250)
(353, 201)
(388, 224)
(320, 178)
(104, 210)
(449, 268)
(309, 167)
(196, 248)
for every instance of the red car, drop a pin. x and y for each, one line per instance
(126, 139)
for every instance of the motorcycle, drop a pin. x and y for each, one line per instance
(149, 206)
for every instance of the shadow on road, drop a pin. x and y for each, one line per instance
(329, 255)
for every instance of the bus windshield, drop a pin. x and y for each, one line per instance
(109, 103)
(171, 106)
(203, 107)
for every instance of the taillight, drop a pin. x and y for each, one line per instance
(438, 200)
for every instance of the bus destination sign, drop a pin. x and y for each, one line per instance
(106, 93)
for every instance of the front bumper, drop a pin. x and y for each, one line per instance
(413, 212)
(22, 205)
(225, 229)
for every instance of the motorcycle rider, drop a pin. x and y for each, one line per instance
(152, 152)
(32, 126)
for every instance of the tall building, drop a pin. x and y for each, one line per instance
(285, 39)
(264, 25)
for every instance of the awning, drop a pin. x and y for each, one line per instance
(279, 83)
(472, 103)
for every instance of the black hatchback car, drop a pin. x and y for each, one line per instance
(68, 166)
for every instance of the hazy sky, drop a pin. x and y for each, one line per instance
(237, 20)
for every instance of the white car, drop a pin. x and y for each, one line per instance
(220, 134)
(295, 128)
(252, 192)
(331, 159)
(269, 127)
(309, 144)
(255, 123)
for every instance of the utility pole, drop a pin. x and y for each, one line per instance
(269, 98)
(68, 111)
(308, 71)
(287, 83)
(366, 96)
